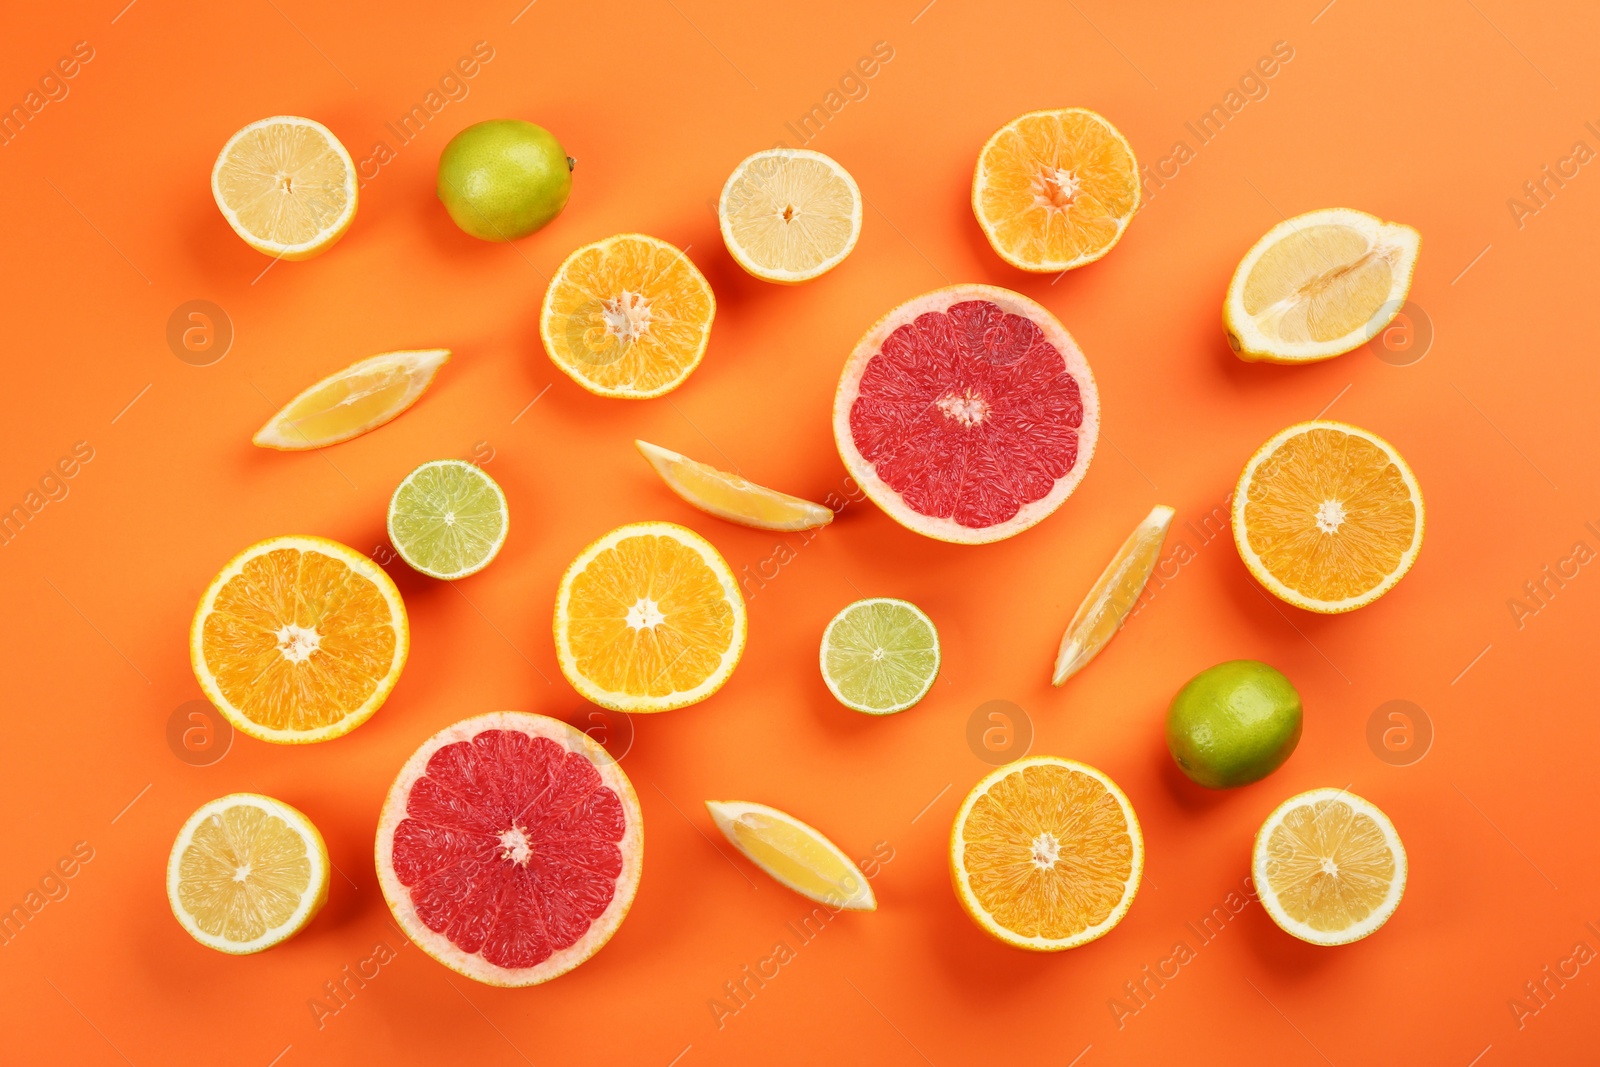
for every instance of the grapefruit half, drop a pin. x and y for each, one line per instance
(968, 414)
(509, 848)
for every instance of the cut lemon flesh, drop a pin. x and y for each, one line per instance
(628, 316)
(1327, 517)
(649, 618)
(448, 519)
(1046, 854)
(347, 404)
(1112, 596)
(795, 854)
(1054, 190)
(789, 214)
(1319, 285)
(299, 639)
(1329, 867)
(246, 873)
(880, 656)
(287, 186)
(728, 496)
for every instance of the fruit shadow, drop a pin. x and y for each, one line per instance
(1272, 617)
(1191, 797)
(1290, 960)
(987, 971)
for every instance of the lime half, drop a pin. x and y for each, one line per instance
(448, 519)
(880, 655)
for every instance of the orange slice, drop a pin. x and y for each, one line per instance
(649, 618)
(1054, 190)
(1327, 517)
(628, 316)
(287, 186)
(1329, 867)
(299, 639)
(1046, 854)
(728, 496)
(360, 398)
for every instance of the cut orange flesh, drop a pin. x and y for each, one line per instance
(628, 316)
(1113, 595)
(1046, 854)
(1054, 190)
(1327, 516)
(649, 618)
(299, 639)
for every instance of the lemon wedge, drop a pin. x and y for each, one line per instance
(795, 854)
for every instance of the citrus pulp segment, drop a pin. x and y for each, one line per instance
(1329, 867)
(968, 414)
(299, 639)
(350, 402)
(1327, 516)
(510, 847)
(246, 872)
(1319, 285)
(448, 519)
(789, 214)
(649, 618)
(1054, 190)
(287, 186)
(880, 656)
(796, 855)
(728, 496)
(1046, 854)
(629, 316)
(1112, 596)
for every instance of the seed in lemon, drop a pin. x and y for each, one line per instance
(649, 618)
(299, 639)
(880, 656)
(1319, 285)
(350, 402)
(1046, 854)
(629, 316)
(1329, 867)
(1112, 596)
(246, 873)
(728, 496)
(287, 186)
(789, 214)
(448, 519)
(1327, 516)
(1054, 190)
(795, 854)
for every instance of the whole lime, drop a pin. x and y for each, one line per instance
(504, 179)
(1233, 724)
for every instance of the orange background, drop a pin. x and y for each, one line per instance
(1431, 113)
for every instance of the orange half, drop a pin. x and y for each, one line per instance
(299, 639)
(1046, 854)
(649, 618)
(1054, 190)
(629, 316)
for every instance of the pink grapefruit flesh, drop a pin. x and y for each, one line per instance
(509, 848)
(968, 414)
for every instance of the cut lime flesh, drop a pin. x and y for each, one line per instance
(448, 519)
(880, 656)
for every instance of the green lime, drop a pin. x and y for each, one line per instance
(448, 519)
(1233, 724)
(880, 656)
(503, 179)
